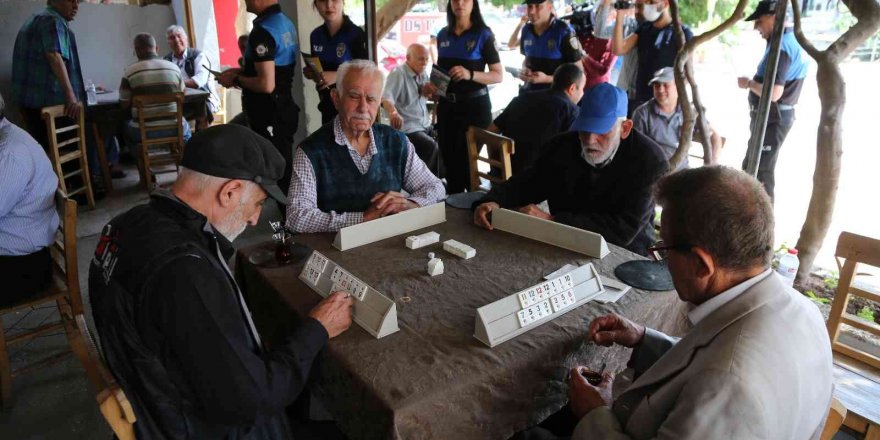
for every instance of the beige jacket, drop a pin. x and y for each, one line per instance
(759, 367)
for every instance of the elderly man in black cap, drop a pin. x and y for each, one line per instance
(175, 330)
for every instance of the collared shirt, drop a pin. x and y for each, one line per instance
(34, 85)
(303, 214)
(661, 127)
(402, 88)
(201, 76)
(28, 219)
(151, 76)
(705, 309)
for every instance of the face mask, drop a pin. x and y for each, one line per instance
(651, 13)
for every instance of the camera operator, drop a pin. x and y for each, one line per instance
(598, 58)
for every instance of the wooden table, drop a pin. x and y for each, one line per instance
(433, 379)
(107, 115)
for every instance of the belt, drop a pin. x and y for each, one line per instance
(455, 97)
(782, 107)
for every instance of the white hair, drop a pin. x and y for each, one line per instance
(362, 67)
(204, 181)
(175, 29)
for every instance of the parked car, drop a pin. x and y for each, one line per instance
(391, 54)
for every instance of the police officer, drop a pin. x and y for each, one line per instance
(547, 43)
(465, 46)
(266, 79)
(789, 79)
(336, 41)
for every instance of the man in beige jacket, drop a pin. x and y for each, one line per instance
(756, 363)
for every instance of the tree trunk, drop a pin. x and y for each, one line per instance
(829, 143)
(390, 13)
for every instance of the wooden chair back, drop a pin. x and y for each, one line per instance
(220, 115)
(67, 152)
(498, 151)
(151, 122)
(113, 404)
(836, 416)
(63, 290)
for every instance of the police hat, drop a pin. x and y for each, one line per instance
(234, 151)
(765, 7)
(533, 2)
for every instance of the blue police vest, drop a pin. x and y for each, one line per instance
(798, 67)
(284, 33)
(468, 46)
(340, 185)
(335, 50)
(548, 44)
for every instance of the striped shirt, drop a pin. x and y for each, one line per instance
(28, 220)
(303, 214)
(34, 85)
(152, 76)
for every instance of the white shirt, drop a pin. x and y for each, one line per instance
(201, 76)
(705, 309)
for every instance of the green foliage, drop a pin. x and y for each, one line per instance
(506, 4)
(867, 314)
(831, 281)
(812, 295)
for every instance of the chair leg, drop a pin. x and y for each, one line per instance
(87, 179)
(102, 158)
(5, 372)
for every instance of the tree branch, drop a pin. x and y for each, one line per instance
(868, 15)
(799, 33)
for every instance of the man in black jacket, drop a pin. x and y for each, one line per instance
(174, 327)
(596, 177)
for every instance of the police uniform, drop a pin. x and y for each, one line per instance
(544, 53)
(349, 43)
(273, 38)
(467, 102)
(790, 73)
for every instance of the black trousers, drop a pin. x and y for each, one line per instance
(325, 106)
(453, 120)
(280, 113)
(427, 150)
(24, 275)
(778, 126)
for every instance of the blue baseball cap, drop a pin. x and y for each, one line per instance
(601, 106)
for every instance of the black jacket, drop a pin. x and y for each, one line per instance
(176, 335)
(615, 201)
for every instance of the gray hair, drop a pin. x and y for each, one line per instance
(144, 41)
(362, 67)
(175, 29)
(722, 210)
(204, 181)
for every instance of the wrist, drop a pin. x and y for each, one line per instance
(472, 75)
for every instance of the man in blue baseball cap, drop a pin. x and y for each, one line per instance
(597, 176)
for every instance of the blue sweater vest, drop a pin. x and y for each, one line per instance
(340, 185)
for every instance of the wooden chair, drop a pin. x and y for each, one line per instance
(496, 146)
(63, 291)
(220, 115)
(836, 415)
(167, 150)
(67, 145)
(114, 406)
(856, 371)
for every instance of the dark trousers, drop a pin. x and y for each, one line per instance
(282, 114)
(778, 127)
(24, 275)
(427, 150)
(453, 120)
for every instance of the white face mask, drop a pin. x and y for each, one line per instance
(651, 12)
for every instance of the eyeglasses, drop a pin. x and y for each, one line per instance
(660, 250)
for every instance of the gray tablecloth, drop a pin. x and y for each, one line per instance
(433, 379)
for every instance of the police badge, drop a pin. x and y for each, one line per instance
(470, 45)
(261, 50)
(551, 44)
(340, 50)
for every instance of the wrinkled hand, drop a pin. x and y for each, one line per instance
(459, 73)
(396, 120)
(481, 214)
(72, 109)
(388, 203)
(583, 397)
(743, 82)
(615, 329)
(334, 313)
(428, 90)
(534, 211)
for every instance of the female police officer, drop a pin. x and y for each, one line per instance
(547, 43)
(336, 41)
(465, 46)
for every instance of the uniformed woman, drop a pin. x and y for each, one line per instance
(336, 41)
(464, 47)
(547, 42)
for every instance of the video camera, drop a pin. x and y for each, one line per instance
(581, 19)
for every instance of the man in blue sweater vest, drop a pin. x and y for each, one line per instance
(352, 170)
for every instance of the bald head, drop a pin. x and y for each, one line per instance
(417, 57)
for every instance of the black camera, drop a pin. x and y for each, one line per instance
(623, 4)
(581, 19)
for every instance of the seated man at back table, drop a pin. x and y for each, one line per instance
(660, 118)
(352, 170)
(596, 177)
(756, 363)
(532, 118)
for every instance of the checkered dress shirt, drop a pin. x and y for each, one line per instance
(303, 214)
(33, 83)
